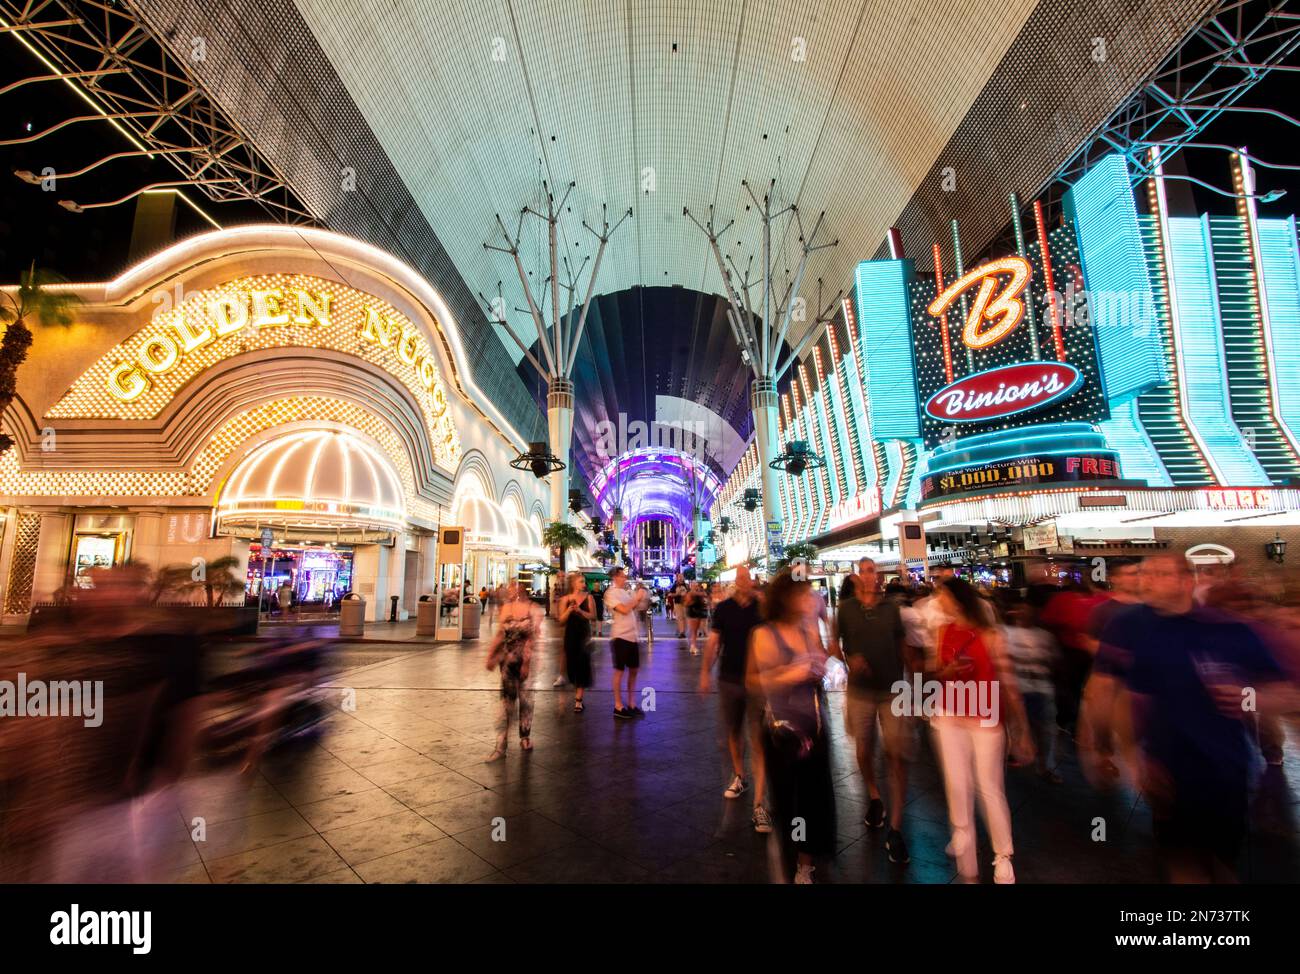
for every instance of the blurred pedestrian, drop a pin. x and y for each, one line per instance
(873, 641)
(697, 615)
(1195, 678)
(625, 640)
(1031, 651)
(733, 625)
(789, 663)
(511, 652)
(973, 739)
(577, 611)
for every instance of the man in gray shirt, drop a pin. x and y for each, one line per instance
(873, 642)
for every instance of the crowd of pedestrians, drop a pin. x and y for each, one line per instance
(1147, 679)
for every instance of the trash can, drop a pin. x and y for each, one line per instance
(469, 619)
(352, 615)
(426, 616)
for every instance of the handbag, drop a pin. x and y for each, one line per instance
(788, 738)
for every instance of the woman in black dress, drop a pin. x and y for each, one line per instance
(577, 611)
(789, 663)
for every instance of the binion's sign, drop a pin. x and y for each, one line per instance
(1003, 391)
(1006, 344)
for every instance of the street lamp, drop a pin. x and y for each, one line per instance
(1276, 549)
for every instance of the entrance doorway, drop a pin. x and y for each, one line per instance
(310, 578)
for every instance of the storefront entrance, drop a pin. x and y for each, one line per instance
(312, 577)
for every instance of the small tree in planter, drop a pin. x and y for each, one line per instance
(220, 577)
(562, 535)
(32, 302)
(807, 552)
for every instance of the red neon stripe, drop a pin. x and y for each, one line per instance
(943, 318)
(1057, 340)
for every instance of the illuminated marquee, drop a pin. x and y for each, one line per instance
(1021, 472)
(1003, 392)
(1024, 355)
(1237, 498)
(231, 313)
(138, 378)
(1002, 309)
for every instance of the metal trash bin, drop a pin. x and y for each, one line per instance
(469, 620)
(352, 615)
(426, 616)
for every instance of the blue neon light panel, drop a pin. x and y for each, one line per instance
(884, 319)
(1121, 303)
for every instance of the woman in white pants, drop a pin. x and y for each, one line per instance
(970, 729)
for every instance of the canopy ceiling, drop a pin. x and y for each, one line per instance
(656, 106)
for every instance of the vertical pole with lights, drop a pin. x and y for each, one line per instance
(760, 343)
(557, 340)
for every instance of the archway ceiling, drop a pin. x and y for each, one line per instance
(595, 93)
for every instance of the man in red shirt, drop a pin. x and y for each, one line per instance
(1067, 616)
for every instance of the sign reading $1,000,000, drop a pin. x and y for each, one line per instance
(1024, 471)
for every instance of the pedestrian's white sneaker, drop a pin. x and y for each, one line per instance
(1002, 871)
(804, 876)
(559, 682)
(736, 788)
(762, 820)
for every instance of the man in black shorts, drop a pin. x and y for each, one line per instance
(734, 620)
(625, 639)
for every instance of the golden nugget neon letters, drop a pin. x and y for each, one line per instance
(226, 314)
(231, 312)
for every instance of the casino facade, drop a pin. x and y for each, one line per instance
(1117, 383)
(264, 383)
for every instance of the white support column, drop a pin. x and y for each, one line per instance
(763, 400)
(559, 420)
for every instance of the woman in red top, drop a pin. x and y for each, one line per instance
(970, 731)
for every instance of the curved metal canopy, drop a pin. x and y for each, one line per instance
(657, 106)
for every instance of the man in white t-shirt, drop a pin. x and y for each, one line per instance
(625, 639)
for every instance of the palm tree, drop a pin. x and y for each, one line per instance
(33, 301)
(220, 576)
(562, 535)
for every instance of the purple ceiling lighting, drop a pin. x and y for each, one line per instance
(655, 483)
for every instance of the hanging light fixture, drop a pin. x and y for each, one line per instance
(797, 458)
(539, 459)
(1276, 549)
(751, 498)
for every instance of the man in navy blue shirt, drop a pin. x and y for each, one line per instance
(1194, 677)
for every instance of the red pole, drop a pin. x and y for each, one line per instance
(1048, 279)
(943, 318)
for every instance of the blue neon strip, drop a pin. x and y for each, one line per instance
(884, 317)
(1200, 344)
(1011, 448)
(1121, 301)
(1137, 454)
(894, 453)
(862, 426)
(1280, 258)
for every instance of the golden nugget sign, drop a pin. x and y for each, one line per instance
(234, 312)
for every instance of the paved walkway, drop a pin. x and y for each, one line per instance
(398, 791)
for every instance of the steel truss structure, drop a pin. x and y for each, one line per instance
(133, 82)
(1211, 72)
